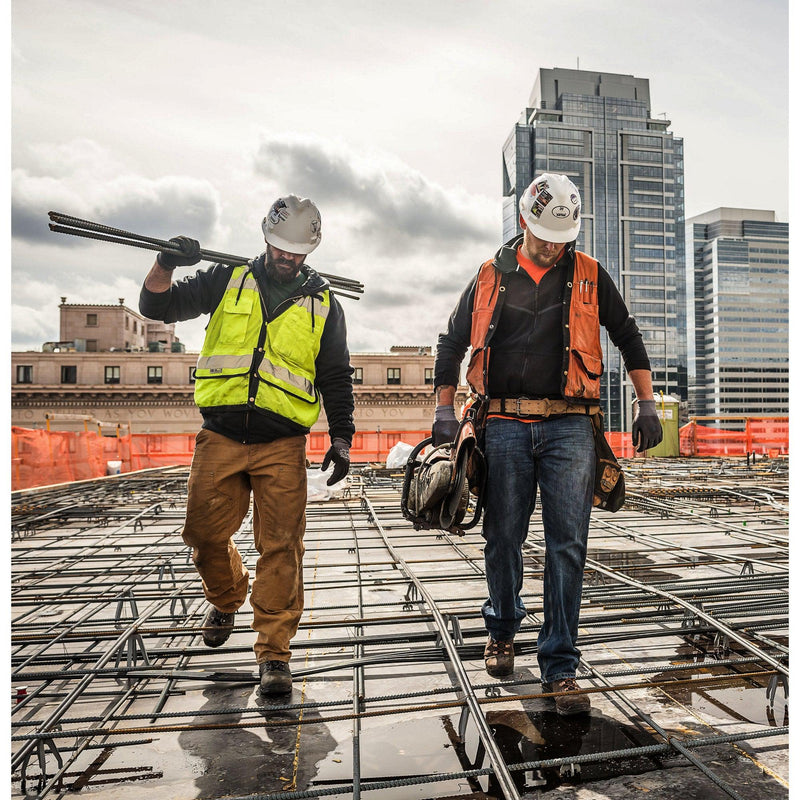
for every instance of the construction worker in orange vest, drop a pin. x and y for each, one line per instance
(532, 318)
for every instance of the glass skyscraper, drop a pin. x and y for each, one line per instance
(597, 128)
(739, 356)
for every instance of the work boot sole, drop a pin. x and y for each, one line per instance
(500, 672)
(217, 641)
(571, 712)
(276, 687)
(216, 635)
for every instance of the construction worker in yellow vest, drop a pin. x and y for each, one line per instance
(275, 345)
(532, 316)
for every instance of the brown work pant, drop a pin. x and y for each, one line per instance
(223, 474)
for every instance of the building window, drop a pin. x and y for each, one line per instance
(154, 374)
(112, 375)
(134, 326)
(393, 375)
(358, 375)
(127, 323)
(192, 377)
(429, 375)
(91, 345)
(91, 320)
(24, 373)
(69, 374)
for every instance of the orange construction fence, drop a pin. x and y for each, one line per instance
(763, 435)
(41, 458)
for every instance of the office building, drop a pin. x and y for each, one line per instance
(739, 357)
(598, 129)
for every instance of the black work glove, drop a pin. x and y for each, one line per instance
(339, 454)
(445, 425)
(190, 253)
(646, 431)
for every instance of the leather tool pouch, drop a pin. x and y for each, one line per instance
(609, 481)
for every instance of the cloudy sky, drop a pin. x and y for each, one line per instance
(178, 117)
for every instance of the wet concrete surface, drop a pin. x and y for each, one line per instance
(253, 755)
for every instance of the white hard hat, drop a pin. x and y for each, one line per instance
(551, 208)
(293, 224)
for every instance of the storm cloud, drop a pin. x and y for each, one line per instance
(81, 180)
(386, 201)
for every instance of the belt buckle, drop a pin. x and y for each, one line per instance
(518, 402)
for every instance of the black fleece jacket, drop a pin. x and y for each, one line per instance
(201, 293)
(527, 347)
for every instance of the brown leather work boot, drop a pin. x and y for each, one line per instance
(275, 677)
(217, 627)
(499, 657)
(567, 704)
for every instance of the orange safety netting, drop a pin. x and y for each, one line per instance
(762, 435)
(40, 458)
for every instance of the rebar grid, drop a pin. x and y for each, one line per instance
(106, 609)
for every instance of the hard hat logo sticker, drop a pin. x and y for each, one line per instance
(561, 212)
(278, 212)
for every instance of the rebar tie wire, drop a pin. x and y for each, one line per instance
(64, 223)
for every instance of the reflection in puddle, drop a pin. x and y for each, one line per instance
(261, 759)
(433, 746)
(755, 700)
(523, 736)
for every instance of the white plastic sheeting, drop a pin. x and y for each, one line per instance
(398, 455)
(318, 490)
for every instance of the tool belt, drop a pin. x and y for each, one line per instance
(544, 407)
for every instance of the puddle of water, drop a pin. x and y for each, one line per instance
(536, 735)
(399, 749)
(744, 701)
(432, 746)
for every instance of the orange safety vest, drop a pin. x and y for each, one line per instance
(584, 364)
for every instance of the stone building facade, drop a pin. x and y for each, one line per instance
(149, 384)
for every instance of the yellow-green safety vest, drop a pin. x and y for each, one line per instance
(284, 363)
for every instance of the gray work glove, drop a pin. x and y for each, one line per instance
(445, 425)
(190, 253)
(646, 431)
(339, 454)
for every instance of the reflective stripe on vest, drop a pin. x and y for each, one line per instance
(581, 380)
(284, 372)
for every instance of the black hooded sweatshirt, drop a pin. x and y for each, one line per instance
(202, 292)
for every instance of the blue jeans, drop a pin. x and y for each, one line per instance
(557, 455)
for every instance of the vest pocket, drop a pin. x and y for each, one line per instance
(292, 346)
(236, 315)
(590, 364)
